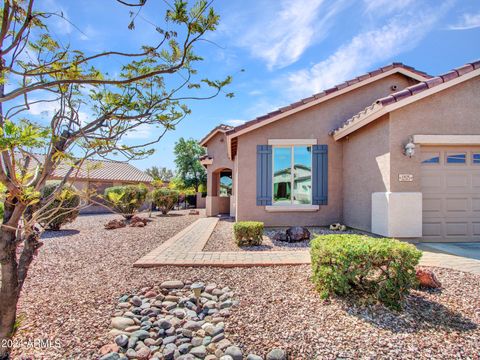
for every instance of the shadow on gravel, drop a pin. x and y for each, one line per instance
(418, 314)
(169, 215)
(49, 234)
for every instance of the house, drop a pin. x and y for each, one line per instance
(95, 176)
(395, 152)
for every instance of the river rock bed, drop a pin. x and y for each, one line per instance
(168, 322)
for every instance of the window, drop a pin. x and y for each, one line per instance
(225, 183)
(476, 158)
(459, 158)
(292, 175)
(430, 158)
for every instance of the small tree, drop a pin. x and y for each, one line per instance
(189, 168)
(163, 174)
(149, 88)
(63, 209)
(126, 199)
(165, 199)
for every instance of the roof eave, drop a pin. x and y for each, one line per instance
(340, 92)
(382, 110)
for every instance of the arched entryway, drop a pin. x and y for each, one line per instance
(220, 193)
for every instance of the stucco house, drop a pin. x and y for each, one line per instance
(395, 152)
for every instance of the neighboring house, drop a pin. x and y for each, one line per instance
(97, 175)
(345, 155)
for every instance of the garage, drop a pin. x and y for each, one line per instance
(450, 183)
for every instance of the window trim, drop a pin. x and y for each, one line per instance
(282, 143)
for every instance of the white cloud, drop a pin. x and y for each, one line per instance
(467, 21)
(89, 33)
(60, 22)
(281, 35)
(364, 51)
(141, 132)
(385, 6)
(234, 122)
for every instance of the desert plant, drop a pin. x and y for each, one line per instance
(248, 233)
(126, 199)
(372, 269)
(165, 199)
(62, 210)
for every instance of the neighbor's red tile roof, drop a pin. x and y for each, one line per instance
(102, 170)
(409, 91)
(327, 92)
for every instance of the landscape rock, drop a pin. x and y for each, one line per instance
(115, 224)
(108, 348)
(121, 323)
(427, 279)
(121, 340)
(298, 233)
(276, 354)
(254, 357)
(111, 356)
(234, 352)
(280, 236)
(172, 284)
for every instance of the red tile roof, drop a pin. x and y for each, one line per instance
(221, 128)
(327, 92)
(407, 92)
(102, 170)
(428, 84)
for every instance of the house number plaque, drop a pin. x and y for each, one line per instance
(405, 177)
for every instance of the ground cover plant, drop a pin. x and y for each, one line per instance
(372, 269)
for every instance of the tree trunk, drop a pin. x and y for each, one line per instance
(9, 291)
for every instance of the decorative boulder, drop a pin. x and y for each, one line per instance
(138, 221)
(427, 279)
(194, 212)
(115, 224)
(280, 236)
(298, 233)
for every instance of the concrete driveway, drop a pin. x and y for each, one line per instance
(468, 249)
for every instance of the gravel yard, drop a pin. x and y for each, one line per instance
(80, 274)
(222, 239)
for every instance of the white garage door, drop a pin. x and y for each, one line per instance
(451, 193)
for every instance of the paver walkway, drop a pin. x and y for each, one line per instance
(185, 249)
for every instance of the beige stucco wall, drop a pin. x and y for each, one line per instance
(366, 169)
(314, 123)
(217, 149)
(454, 111)
(373, 156)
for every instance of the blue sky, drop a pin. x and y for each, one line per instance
(288, 49)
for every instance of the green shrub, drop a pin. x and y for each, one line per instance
(375, 269)
(248, 233)
(165, 199)
(126, 199)
(62, 210)
(1, 211)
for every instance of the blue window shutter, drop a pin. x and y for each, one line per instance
(320, 175)
(264, 175)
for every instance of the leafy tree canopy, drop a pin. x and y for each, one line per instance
(160, 173)
(189, 169)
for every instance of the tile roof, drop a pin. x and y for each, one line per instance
(407, 92)
(327, 92)
(102, 170)
(221, 128)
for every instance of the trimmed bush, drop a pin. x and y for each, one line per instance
(62, 210)
(126, 199)
(248, 233)
(165, 199)
(375, 269)
(2, 209)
